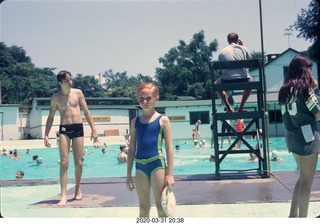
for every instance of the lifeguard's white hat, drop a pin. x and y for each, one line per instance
(168, 201)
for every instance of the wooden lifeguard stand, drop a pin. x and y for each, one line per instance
(256, 121)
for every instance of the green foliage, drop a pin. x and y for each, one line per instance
(308, 25)
(20, 79)
(120, 85)
(308, 22)
(186, 69)
(89, 86)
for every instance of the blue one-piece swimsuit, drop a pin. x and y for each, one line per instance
(149, 156)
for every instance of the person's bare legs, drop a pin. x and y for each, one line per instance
(301, 195)
(222, 138)
(295, 201)
(224, 97)
(64, 145)
(77, 148)
(238, 145)
(245, 95)
(143, 187)
(229, 139)
(158, 184)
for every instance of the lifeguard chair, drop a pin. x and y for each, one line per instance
(256, 121)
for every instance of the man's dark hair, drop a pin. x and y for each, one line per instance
(62, 75)
(122, 147)
(20, 172)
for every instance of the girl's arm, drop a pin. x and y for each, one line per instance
(130, 156)
(166, 126)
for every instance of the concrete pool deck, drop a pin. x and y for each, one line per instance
(198, 196)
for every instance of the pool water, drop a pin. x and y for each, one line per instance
(187, 160)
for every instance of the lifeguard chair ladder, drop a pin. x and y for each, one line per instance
(257, 120)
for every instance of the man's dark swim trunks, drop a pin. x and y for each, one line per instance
(71, 130)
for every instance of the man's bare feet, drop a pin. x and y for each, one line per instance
(78, 194)
(240, 109)
(243, 110)
(62, 202)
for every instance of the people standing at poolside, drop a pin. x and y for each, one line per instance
(69, 102)
(196, 130)
(239, 127)
(57, 138)
(152, 169)
(127, 139)
(300, 112)
(225, 129)
(193, 134)
(235, 51)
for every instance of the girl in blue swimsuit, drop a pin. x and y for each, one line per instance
(153, 170)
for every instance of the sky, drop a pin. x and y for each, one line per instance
(91, 37)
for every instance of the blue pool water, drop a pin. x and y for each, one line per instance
(187, 160)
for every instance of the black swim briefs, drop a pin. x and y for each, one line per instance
(71, 130)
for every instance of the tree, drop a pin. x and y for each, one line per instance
(186, 69)
(19, 54)
(22, 82)
(89, 85)
(120, 85)
(308, 25)
(112, 80)
(20, 79)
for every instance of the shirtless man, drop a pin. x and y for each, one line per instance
(122, 156)
(69, 102)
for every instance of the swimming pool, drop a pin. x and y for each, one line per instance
(187, 160)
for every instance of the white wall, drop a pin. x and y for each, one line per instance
(119, 120)
(10, 122)
(183, 128)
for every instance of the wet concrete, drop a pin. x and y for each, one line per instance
(192, 190)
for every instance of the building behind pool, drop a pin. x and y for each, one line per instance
(112, 116)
